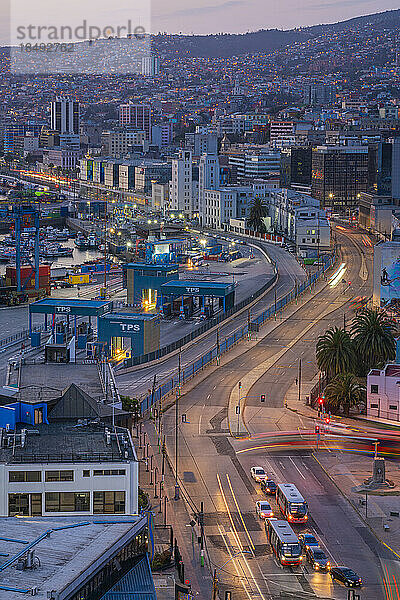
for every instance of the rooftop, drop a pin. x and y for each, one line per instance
(392, 371)
(72, 547)
(66, 442)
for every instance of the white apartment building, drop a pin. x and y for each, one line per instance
(282, 133)
(299, 218)
(119, 142)
(219, 206)
(251, 162)
(88, 473)
(383, 393)
(208, 180)
(180, 190)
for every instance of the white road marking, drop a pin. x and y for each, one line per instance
(296, 467)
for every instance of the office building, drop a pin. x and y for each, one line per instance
(339, 175)
(296, 166)
(161, 134)
(201, 142)
(249, 162)
(150, 66)
(180, 189)
(209, 178)
(282, 133)
(65, 116)
(319, 94)
(118, 142)
(137, 115)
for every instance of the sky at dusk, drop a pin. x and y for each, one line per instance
(190, 16)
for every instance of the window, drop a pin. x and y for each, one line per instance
(85, 473)
(103, 472)
(109, 502)
(59, 475)
(374, 405)
(392, 406)
(374, 389)
(67, 501)
(21, 476)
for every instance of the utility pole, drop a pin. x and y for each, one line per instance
(248, 324)
(344, 321)
(214, 590)
(218, 349)
(238, 408)
(299, 378)
(201, 523)
(275, 303)
(178, 391)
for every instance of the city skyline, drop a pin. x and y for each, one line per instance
(203, 17)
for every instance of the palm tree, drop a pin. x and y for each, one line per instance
(258, 211)
(335, 352)
(344, 392)
(373, 339)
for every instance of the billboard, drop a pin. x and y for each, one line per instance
(387, 275)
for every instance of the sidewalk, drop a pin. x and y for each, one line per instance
(179, 514)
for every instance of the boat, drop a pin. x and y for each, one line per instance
(81, 242)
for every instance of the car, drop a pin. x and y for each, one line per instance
(308, 540)
(258, 474)
(317, 558)
(268, 486)
(264, 509)
(346, 576)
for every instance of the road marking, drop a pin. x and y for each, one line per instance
(240, 513)
(296, 467)
(209, 396)
(200, 423)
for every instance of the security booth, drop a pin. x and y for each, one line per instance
(67, 334)
(125, 334)
(202, 295)
(143, 283)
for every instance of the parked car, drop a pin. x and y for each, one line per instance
(346, 576)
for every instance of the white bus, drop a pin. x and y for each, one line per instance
(291, 503)
(284, 542)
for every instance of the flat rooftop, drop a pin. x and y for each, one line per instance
(47, 381)
(121, 317)
(67, 442)
(392, 371)
(70, 306)
(70, 549)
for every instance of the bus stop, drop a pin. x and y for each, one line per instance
(205, 292)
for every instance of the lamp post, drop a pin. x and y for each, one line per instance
(178, 391)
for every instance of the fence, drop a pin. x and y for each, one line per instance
(20, 336)
(190, 370)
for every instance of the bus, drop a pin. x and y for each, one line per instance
(291, 503)
(284, 542)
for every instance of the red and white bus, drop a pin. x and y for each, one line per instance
(291, 503)
(284, 542)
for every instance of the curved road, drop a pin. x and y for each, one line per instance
(213, 470)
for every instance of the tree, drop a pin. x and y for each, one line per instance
(257, 212)
(335, 352)
(344, 392)
(373, 339)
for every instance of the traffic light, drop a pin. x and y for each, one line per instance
(320, 400)
(327, 420)
(262, 397)
(184, 418)
(316, 428)
(240, 385)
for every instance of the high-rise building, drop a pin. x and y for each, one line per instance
(208, 180)
(150, 65)
(339, 175)
(201, 142)
(65, 116)
(252, 162)
(318, 94)
(296, 166)
(137, 115)
(180, 191)
(396, 170)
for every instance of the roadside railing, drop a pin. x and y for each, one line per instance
(190, 370)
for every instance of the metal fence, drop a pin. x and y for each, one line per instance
(191, 369)
(19, 336)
